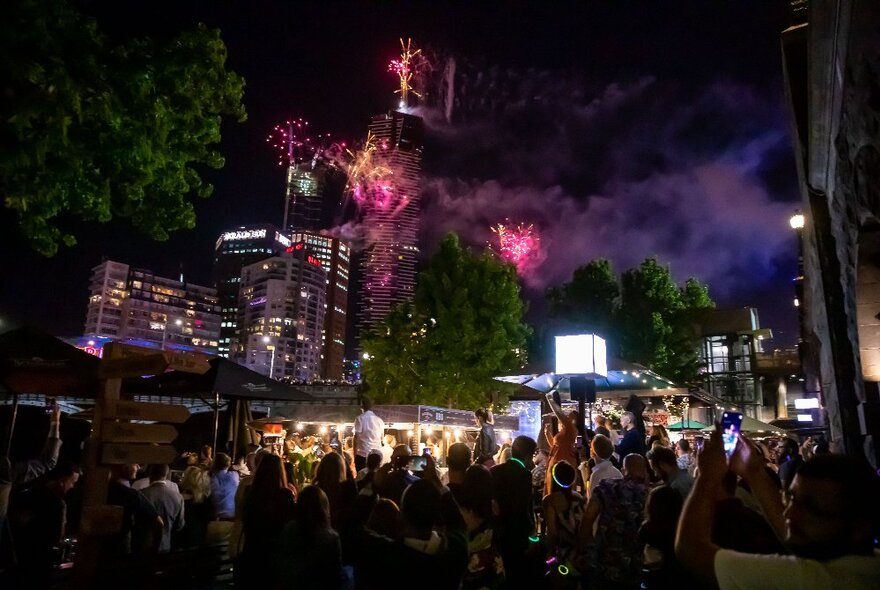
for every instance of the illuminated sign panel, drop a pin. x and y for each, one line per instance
(808, 403)
(244, 234)
(282, 239)
(583, 354)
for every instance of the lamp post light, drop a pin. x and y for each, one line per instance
(271, 349)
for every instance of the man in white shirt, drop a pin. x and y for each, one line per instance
(828, 524)
(368, 432)
(601, 450)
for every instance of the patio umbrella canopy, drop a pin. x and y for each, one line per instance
(751, 425)
(32, 361)
(225, 378)
(687, 425)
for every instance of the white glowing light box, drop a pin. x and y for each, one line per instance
(807, 403)
(582, 354)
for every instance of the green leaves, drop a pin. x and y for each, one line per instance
(645, 317)
(463, 328)
(97, 132)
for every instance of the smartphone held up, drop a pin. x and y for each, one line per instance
(731, 423)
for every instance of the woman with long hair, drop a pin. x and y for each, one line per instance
(658, 434)
(268, 507)
(310, 548)
(485, 568)
(195, 487)
(332, 478)
(563, 510)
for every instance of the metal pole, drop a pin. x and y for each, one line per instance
(12, 424)
(216, 420)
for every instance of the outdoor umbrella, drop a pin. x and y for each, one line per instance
(687, 425)
(224, 379)
(32, 361)
(751, 425)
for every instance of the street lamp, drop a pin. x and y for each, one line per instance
(271, 350)
(178, 322)
(797, 220)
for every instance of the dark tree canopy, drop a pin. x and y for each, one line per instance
(93, 131)
(464, 328)
(645, 316)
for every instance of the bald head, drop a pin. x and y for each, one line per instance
(635, 467)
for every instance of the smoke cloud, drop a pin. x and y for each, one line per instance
(703, 178)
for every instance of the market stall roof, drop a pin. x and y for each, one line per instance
(225, 378)
(32, 361)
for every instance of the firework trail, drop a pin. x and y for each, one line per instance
(411, 66)
(517, 244)
(369, 181)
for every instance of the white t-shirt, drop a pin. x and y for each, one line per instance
(369, 429)
(602, 471)
(745, 571)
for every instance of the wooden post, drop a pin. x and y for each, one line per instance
(97, 478)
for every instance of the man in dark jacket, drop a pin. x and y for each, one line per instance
(633, 441)
(515, 521)
(485, 446)
(433, 558)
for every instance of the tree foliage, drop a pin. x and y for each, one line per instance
(93, 131)
(645, 316)
(463, 328)
(589, 300)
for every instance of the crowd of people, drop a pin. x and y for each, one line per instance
(622, 510)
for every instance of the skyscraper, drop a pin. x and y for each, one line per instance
(335, 257)
(234, 250)
(302, 205)
(281, 315)
(389, 262)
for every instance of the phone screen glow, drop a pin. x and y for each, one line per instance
(730, 426)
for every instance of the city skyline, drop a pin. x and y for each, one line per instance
(579, 128)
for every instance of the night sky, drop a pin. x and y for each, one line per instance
(620, 129)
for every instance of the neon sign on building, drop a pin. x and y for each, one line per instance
(245, 234)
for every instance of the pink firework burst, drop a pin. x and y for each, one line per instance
(294, 144)
(516, 244)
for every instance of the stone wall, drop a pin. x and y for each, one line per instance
(839, 151)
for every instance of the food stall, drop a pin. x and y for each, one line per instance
(413, 425)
